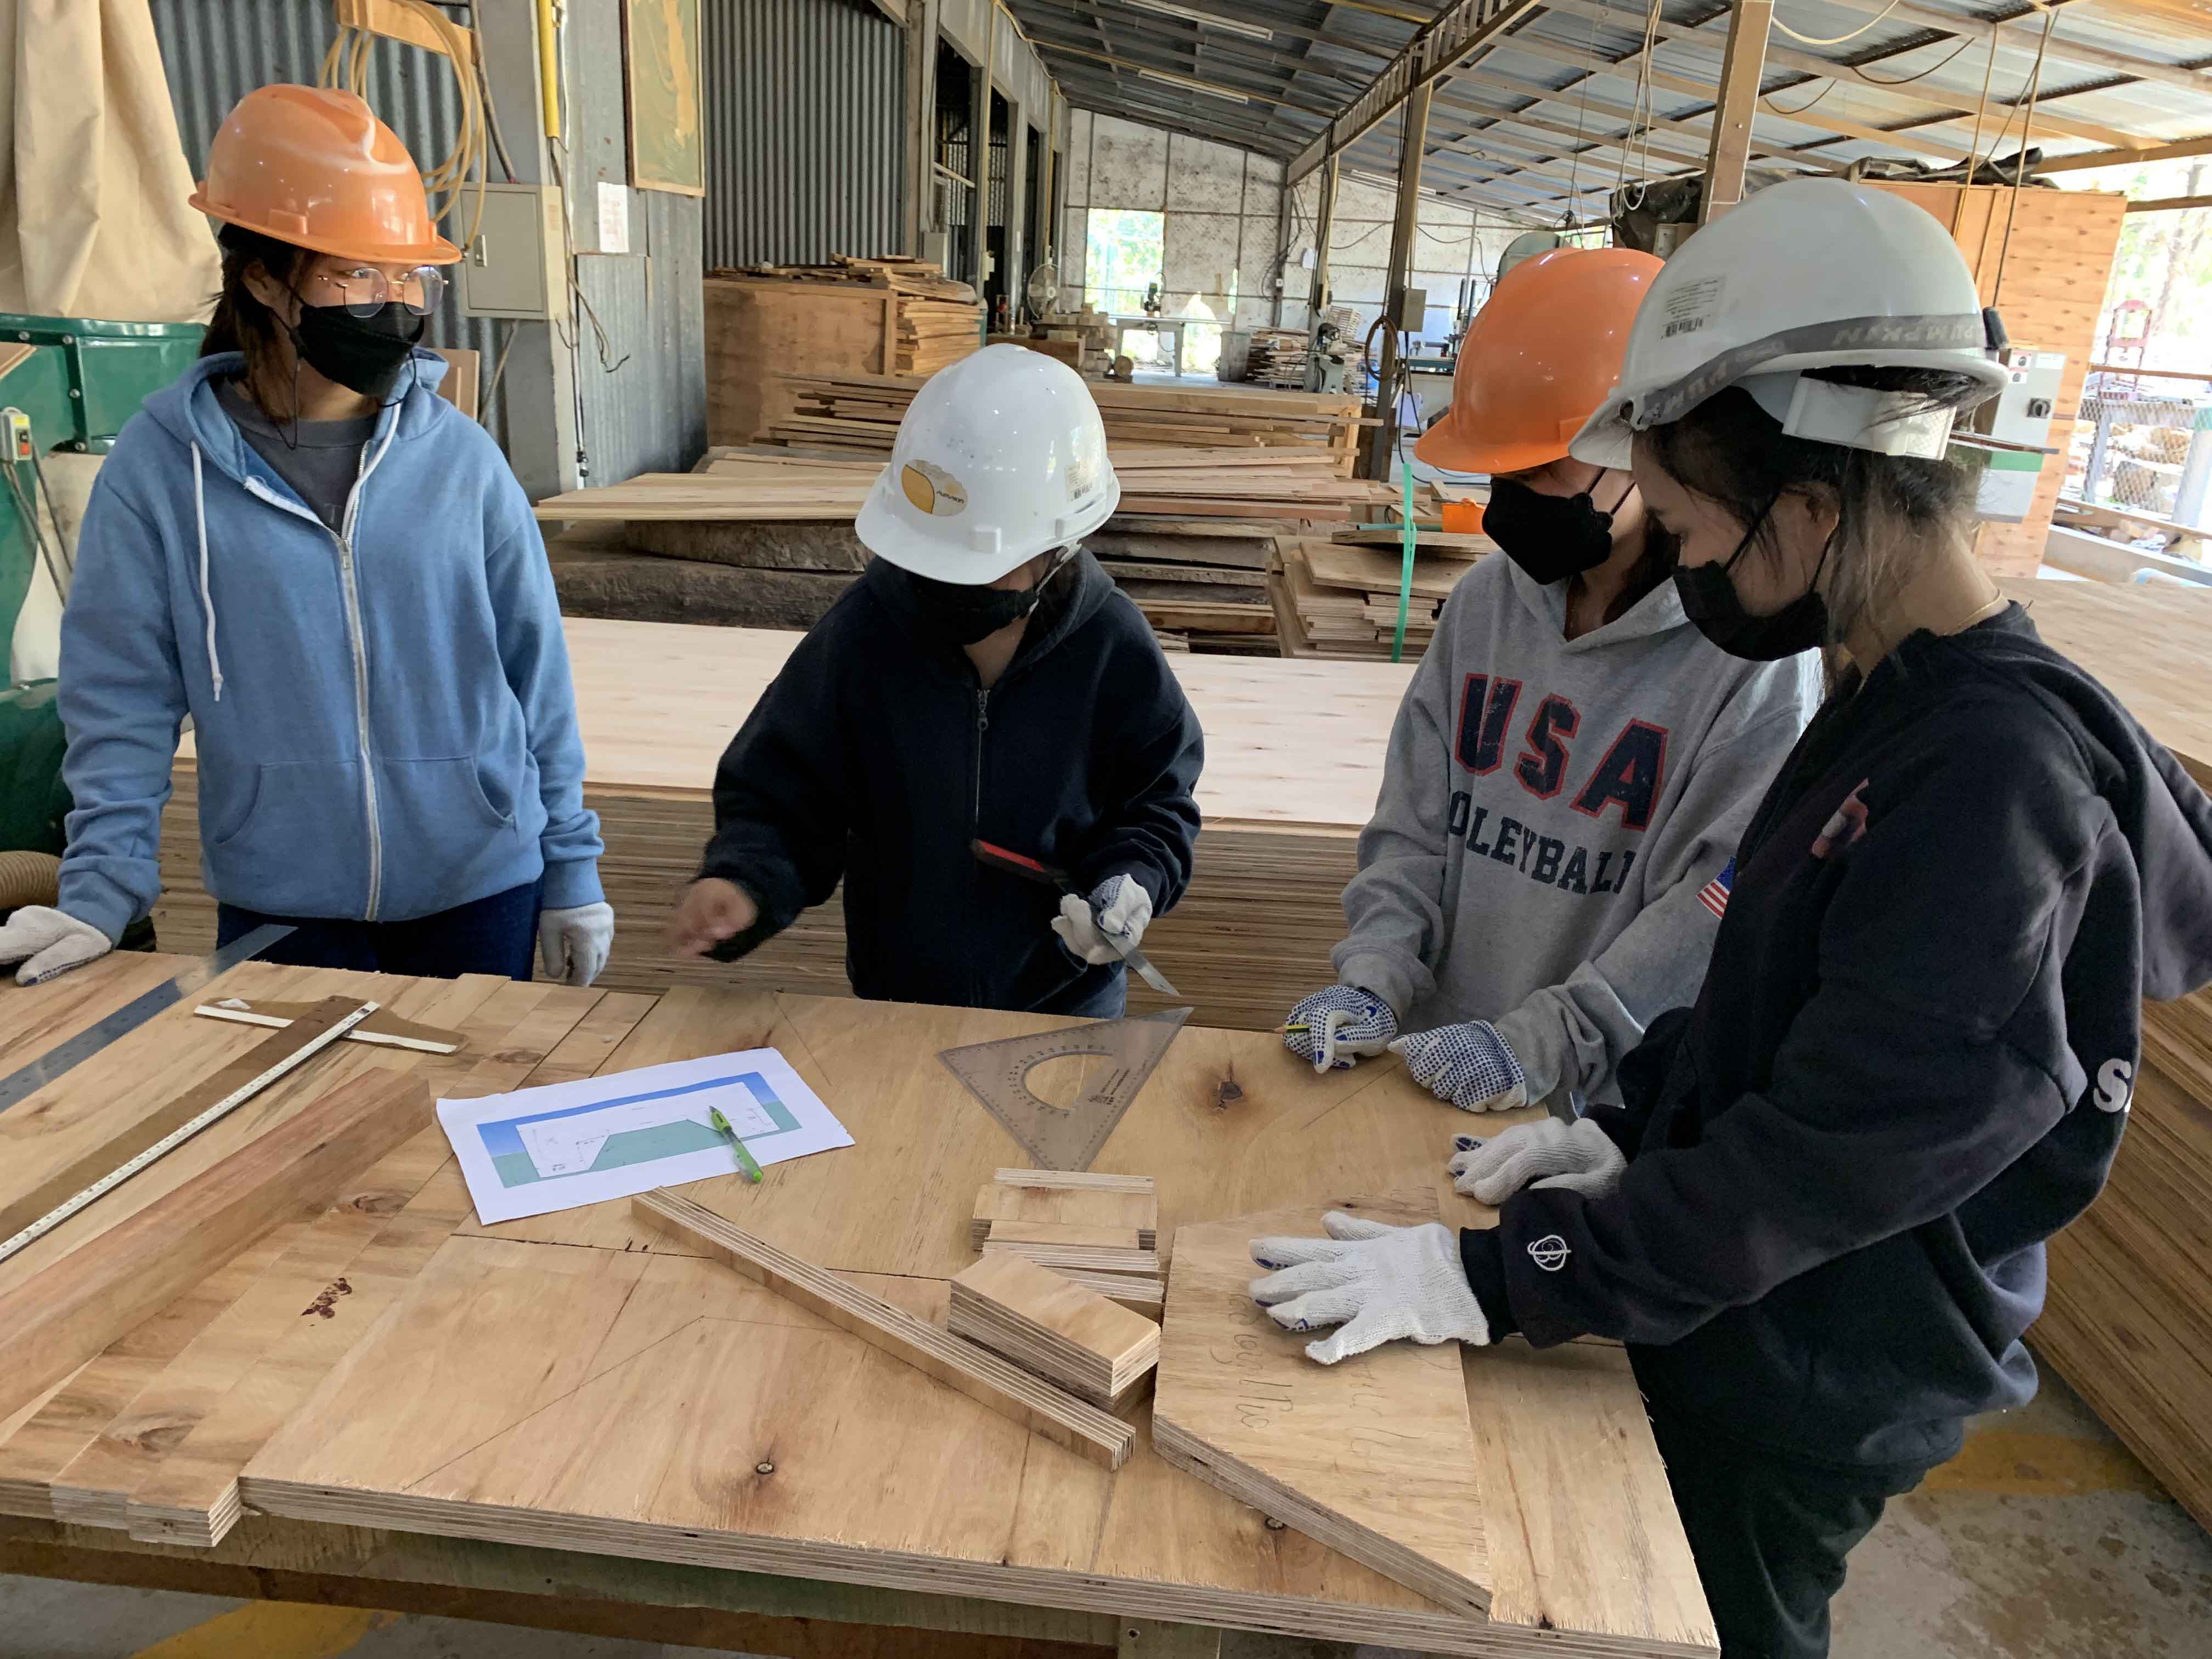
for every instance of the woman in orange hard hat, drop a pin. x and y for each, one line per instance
(334, 574)
(1573, 762)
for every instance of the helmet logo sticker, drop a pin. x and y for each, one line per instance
(932, 489)
(1082, 476)
(1692, 306)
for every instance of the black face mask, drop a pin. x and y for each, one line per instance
(1550, 536)
(361, 353)
(1711, 602)
(963, 614)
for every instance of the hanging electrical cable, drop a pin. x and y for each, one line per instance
(345, 66)
(1837, 40)
(2020, 171)
(1640, 115)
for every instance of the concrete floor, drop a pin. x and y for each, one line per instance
(2045, 1539)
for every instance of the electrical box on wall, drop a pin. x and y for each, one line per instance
(510, 270)
(2020, 412)
(1411, 314)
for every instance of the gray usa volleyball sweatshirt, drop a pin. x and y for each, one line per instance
(1552, 847)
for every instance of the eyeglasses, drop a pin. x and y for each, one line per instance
(365, 291)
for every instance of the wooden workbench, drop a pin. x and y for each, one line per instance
(569, 1421)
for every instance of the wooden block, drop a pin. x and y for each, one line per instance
(1107, 1249)
(1066, 1334)
(1374, 1456)
(1076, 1198)
(60, 1317)
(1141, 1293)
(982, 1376)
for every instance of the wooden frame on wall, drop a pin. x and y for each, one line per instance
(660, 53)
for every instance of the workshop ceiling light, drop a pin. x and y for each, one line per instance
(1194, 86)
(1204, 18)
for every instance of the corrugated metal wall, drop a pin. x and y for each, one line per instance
(216, 51)
(641, 327)
(806, 124)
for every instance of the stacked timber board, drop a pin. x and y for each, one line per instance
(886, 317)
(1191, 542)
(1339, 593)
(2126, 1320)
(1071, 1336)
(829, 410)
(1279, 358)
(1294, 759)
(581, 1381)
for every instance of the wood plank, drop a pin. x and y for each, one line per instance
(1082, 1429)
(62, 1316)
(1393, 1482)
(1069, 1335)
(383, 1027)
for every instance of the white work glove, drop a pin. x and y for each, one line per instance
(573, 944)
(1116, 914)
(1577, 1155)
(1377, 1282)
(1468, 1065)
(47, 942)
(1342, 1023)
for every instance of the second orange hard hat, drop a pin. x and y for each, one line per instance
(314, 167)
(1539, 359)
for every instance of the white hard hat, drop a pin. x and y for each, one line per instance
(1001, 457)
(1816, 273)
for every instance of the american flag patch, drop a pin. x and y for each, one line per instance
(1714, 895)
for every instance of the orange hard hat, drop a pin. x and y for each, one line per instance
(1539, 359)
(314, 167)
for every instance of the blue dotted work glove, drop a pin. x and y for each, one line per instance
(1335, 1027)
(1578, 1156)
(1468, 1065)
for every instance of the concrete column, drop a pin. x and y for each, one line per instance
(918, 215)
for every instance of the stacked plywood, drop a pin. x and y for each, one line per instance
(2127, 1320)
(1339, 596)
(1294, 756)
(828, 409)
(1070, 1336)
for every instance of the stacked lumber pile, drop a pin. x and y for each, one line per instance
(1293, 763)
(1279, 358)
(861, 412)
(1339, 594)
(1071, 1337)
(939, 321)
(1027, 1211)
(887, 316)
(764, 537)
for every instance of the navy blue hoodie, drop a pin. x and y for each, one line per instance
(877, 757)
(1910, 1063)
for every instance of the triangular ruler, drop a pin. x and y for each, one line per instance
(1066, 1137)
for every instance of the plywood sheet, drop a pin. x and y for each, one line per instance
(1373, 1455)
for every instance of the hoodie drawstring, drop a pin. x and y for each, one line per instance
(207, 598)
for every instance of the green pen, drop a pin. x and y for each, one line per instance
(744, 1159)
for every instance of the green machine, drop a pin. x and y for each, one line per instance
(67, 385)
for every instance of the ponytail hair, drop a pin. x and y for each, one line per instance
(242, 323)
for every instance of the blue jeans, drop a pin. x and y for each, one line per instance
(494, 935)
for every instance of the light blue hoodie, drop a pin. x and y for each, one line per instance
(383, 716)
